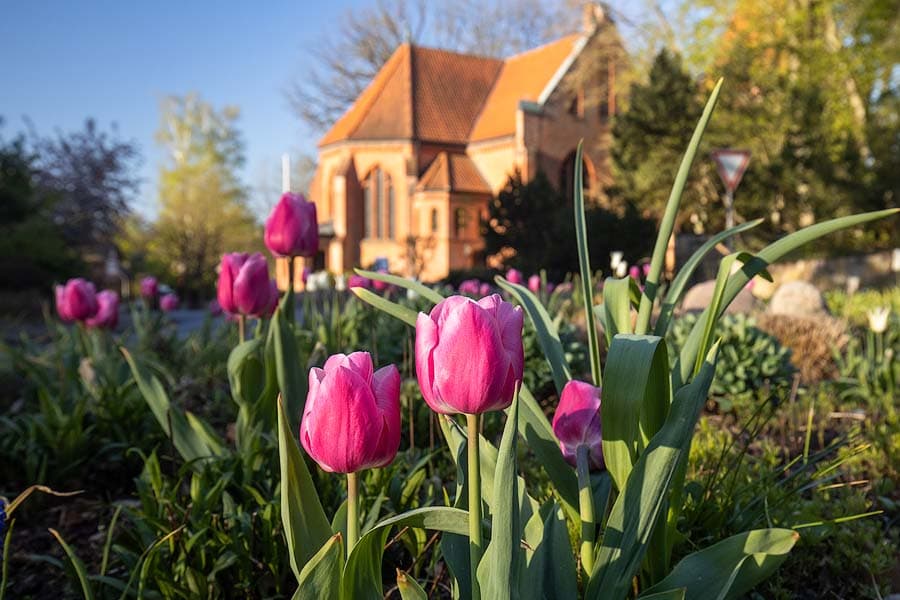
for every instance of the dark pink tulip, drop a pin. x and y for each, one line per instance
(634, 272)
(358, 281)
(470, 287)
(107, 316)
(484, 289)
(514, 276)
(149, 288)
(469, 354)
(292, 229)
(380, 286)
(352, 416)
(534, 283)
(228, 271)
(577, 422)
(252, 291)
(645, 269)
(77, 300)
(169, 302)
(274, 297)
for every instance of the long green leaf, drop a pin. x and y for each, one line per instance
(730, 568)
(635, 400)
(584, 265)
(679, 284)
(667, 224)
(616, 307)
(550, 569)
(320, 578)
(407, 315)
(246, 372)
(290, 369)
(638, 508)
(498, 572)
(409, 588)
(767, 256)
(305, 525)
(78, 566)
(362, 574)
(548, 335)
(407, 284)
(677, 594)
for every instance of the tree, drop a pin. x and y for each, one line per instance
(91, 174)
(203, 206)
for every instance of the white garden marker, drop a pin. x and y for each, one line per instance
(731, 165)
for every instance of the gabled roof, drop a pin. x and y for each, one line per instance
(439, 96)
(453, 172)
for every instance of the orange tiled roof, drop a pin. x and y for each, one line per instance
(453, 172)
(436, 95)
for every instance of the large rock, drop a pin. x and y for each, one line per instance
(698, 298)
(798, 299)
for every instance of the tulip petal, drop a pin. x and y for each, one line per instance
(426, 342)
(386, 385)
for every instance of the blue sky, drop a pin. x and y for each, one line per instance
(64, 61)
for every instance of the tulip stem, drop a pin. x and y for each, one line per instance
(474, 485)
(289, 303)
(352, 511)
(242, 323)
(586, 508)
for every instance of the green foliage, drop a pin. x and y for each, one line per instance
(855, 307)
(750, 360)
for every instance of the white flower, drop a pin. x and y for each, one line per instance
(878, 318)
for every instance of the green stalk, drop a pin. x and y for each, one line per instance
(289, 303)
(586, 508)
(352, 511)
(242, 323)
(474, 485)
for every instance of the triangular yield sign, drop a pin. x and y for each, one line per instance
(731, 165)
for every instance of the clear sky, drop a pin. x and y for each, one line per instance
(63, 61)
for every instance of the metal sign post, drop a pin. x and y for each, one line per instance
(731, 165)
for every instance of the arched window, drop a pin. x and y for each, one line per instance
(567, 176)
(460, 222)
(379, 208)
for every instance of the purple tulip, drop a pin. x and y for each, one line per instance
(169, 302)
(469, 354)
(484, 289)
(352, 416)
(244, 285)
(274, 297)
(470, 287)
(149, 288)
(380, 286)
(645, 269)
(292, 229)
(514, 276)
(107, 316)
(577, 422)
(358, 281)
(534, 283)
(634, 272)
(77, 300)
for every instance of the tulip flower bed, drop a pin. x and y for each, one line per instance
(391, 443)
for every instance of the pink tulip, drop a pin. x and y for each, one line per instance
(634, 272)
(514, 276)
(380, 286)
(77, 300)
(107, 316)
(274, 297)
(484, 289)
(469, 354)
(228, 271)
(149, 288)
(352, 416)
(534, 283)
(470, 287)
(169, 302)
(244, 286)
(645, 269)
(577, 422)
(358, 281)
(292, 229)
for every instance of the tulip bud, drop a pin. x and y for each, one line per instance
(380, 286)
(149, 288)
(484, 289)
(577, 422)
(274, 297)
(358, 281)
(469, 354)
(645, 269)
(534, 283)
(169, 302)
(352, 416)
(244, 286)
(77, 300)
(292, 229)
(470, 287)
(634, 272)
(514, 276)
(107, 316)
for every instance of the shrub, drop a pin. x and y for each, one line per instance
(853, 307)
(812, 341)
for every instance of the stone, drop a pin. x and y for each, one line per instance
(799, 299)
(698, 298)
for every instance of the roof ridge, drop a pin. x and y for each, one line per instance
(542, 46)
(388, 76)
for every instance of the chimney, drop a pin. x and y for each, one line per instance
(592, 15)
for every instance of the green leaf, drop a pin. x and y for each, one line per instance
(548, 335)
(289, 368)
(362, 574)
(638, 508)
(409, 589)
(584, 265)
(305, 525)
(499, 569)
(550, 569)
(402, 282)
(636, 400)
(730, 568)
(679, 284)
(407, 315)
(667, 224)
(246, 372)
(320, 578)
(80, 571)
(616, 307)
(767, 256)
(677, 594)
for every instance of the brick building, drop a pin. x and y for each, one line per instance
(406, 174)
